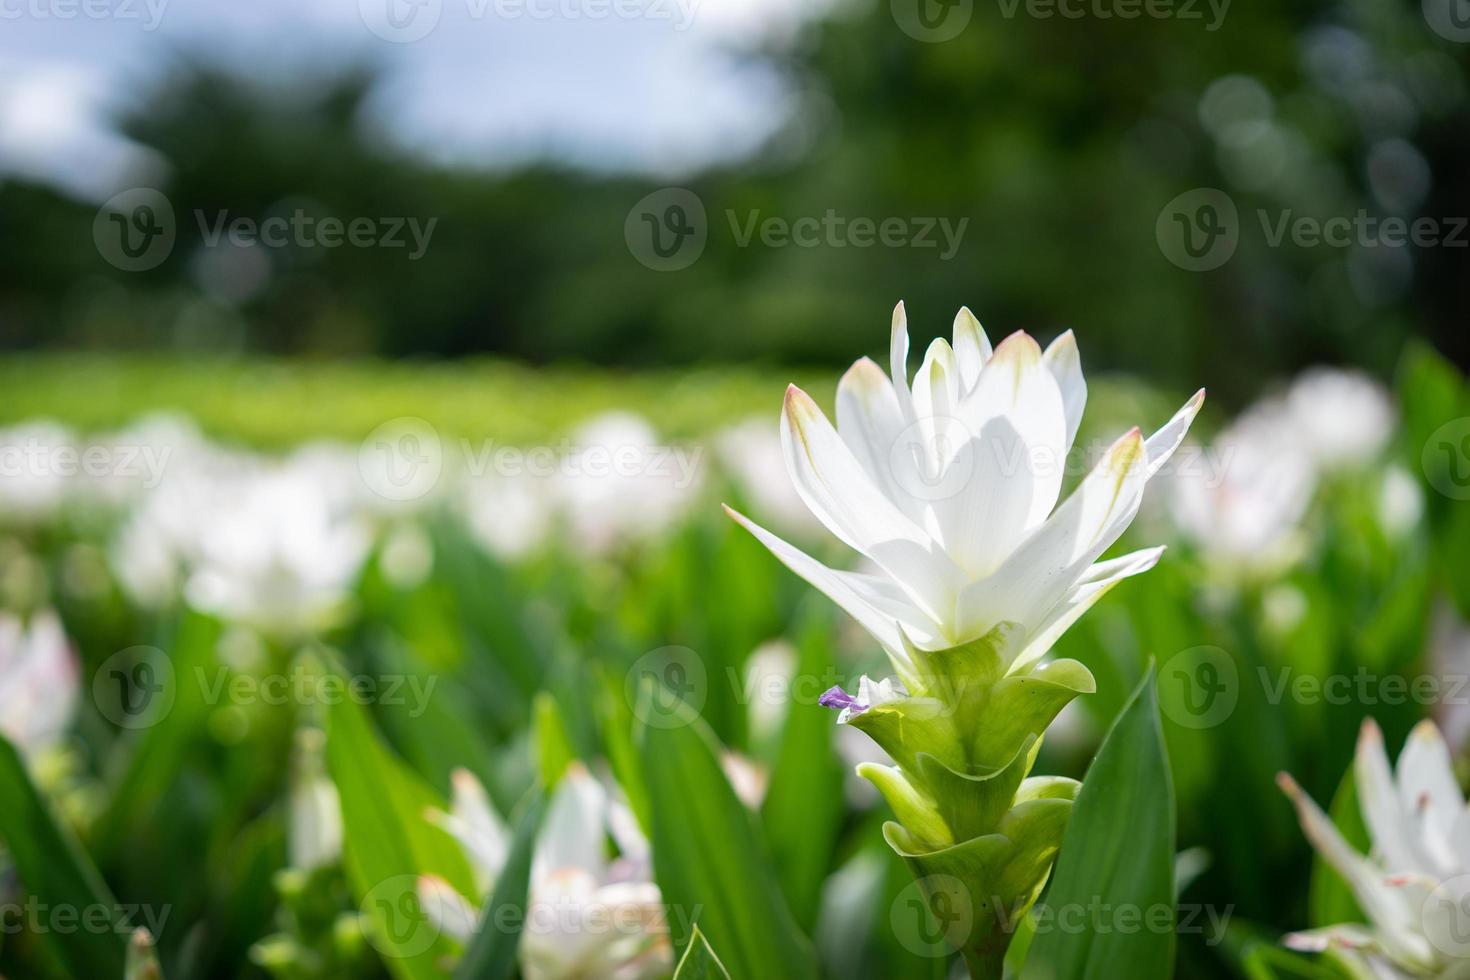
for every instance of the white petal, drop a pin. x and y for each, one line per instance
(858, 595)
(1065, 364)
(870, 422)
(1161, 445)
(447, 910)
(1426, 773)
(1378, 800)
(844, 498)
(1054, 557)
(1392, 913)
(971, 347)
(1014, 459)
(1098, 581)
(898, 360)
(574, 834)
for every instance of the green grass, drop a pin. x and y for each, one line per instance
(275, 403)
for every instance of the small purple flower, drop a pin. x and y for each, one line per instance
(835, 697)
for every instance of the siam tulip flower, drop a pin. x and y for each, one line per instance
(1340, 419)
(509, 516)
(39, 683)
(35, 475)
(588, 916)
(485, 841)
(1245, 514)
(949, 486)
(1414, 886)
(620, 484)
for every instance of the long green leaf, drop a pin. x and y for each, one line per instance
(389, 844)
(700, 962)
(492, 954)
(58, 873)
(708, 858)
(1117, 855)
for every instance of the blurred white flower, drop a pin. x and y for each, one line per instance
(588, 916)
(315, 837)
(619, 483)
(1339, 419)
(768, 677)
(1400, 501)
(1414, 888)
(949, 486)
(39, 683)
(509, 516)
(1449, 657)
(485, 841)
(748, 778)
(35, 459)
(1244, 512)
(751, 452)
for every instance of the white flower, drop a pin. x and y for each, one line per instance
(509, 516)
(949, 486)
(485, 840)
(39, 683)
(1400, 501)
(1414, 886)
(620, 484)
(588, 916)
(315, 838)
(36, 461)
(1339, 419)
(1244, 510)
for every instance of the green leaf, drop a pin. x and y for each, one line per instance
(700, 962)
(388, 844)
(707, 856)
(1117, 852)
(554, 750)
(492, 953)
(55, 869)
(804, 805)
(1329, 900)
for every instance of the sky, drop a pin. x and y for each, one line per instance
(647, 86)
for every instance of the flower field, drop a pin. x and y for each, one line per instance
(421, 671)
